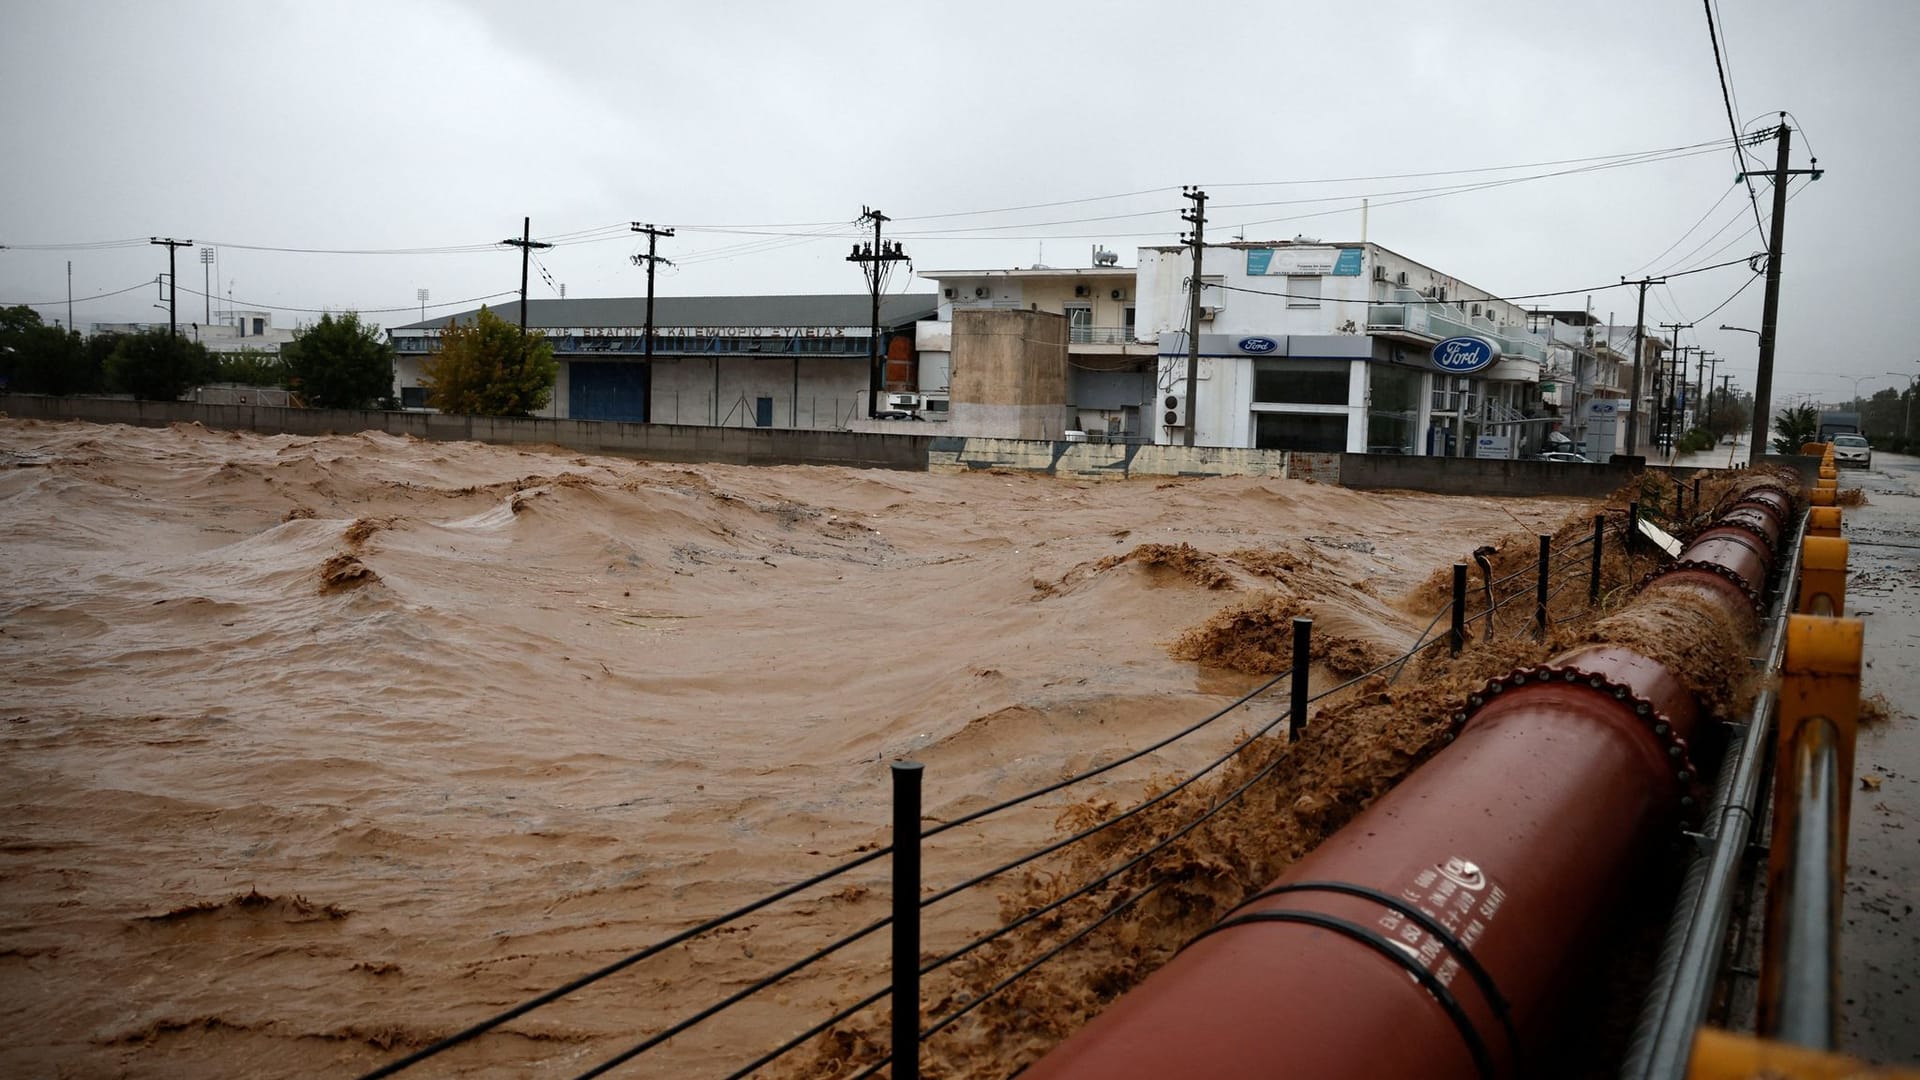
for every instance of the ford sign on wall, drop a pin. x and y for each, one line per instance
(1258, 345)
(1464, 355)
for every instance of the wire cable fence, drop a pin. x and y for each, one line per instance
(909, 904)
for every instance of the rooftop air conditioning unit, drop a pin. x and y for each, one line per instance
(1118, 294)
(980, 292)
(1379, 272)
(1173, 410)
(949, 292)
(1082, 290)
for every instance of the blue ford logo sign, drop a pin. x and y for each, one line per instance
(1462, 355)
(1258, 345)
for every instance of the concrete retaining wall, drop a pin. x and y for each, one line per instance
(659, 442)
(1486, 476)
(1122, 460)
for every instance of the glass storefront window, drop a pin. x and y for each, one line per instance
(1300, 431)
(1393, 409)
(1300, 382)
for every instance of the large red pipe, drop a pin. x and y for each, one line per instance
(1431, 935)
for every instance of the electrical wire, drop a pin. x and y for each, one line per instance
(1724, 193)
(77, 299)
(1726, 98)
(1736, 295)
(1426, 301)
(251, 305)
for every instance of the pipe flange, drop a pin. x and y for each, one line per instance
(1753, 595)
(1748, 496)
(1686, 775)
(1742, 525)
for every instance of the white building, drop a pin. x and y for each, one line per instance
(1326, 347)
(237, 331)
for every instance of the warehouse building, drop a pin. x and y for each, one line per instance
(733, 361)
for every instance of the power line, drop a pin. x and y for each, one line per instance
(77, 299)
(1683, 236)
(1726, 98)
(1427, 301)
(1435, 191)
(603, 233)
(348, 307)
(1731, 299)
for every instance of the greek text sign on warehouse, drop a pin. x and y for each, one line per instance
(1271, 262)
(1464, 355)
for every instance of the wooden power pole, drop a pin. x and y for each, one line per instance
(1197, 217)
(173, 281)
(874, 259)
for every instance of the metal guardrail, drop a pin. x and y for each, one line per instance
(1689, 961)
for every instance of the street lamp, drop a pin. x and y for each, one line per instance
(1906, 430)
(1742, 329)
(1857, 380)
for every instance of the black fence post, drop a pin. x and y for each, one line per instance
(1540, 586)
(1459, 608)
(1696, 493)
(1633, 526)
(1302, 655)
(1599, 546)
(906, 919)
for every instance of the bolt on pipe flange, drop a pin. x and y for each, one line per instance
(1686, 776)
(1752, 594)
(1729, 522)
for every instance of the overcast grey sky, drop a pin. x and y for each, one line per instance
(436, 123)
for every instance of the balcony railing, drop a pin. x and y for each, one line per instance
(1100, 335)
(1411, 312)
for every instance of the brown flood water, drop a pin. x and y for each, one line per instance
(318, 749)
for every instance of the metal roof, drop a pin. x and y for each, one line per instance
(839, 309)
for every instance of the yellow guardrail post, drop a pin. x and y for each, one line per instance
(1807, 862)
(1823, 576)
(1721, 1055)
(1823, 521)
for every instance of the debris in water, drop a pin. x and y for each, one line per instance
(344, 571)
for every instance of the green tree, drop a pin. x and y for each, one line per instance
(40, 359)
(489, 368)
(250, 367)
(1795, 426)
(158, 366)
(340, 363)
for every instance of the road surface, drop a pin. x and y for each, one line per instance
(1880, 940)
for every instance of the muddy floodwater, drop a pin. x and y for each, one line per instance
(317, 749)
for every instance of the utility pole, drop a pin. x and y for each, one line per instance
(650, 260)
(1700, 377)
(874, 259)
(526, 243)
(206, 282)
(1663, 387)
(421, 295)
(1639, 347)
(70, 326)
(173, 281)
(1197, 217)
(1770, 317)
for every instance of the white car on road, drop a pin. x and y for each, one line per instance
(1852, 450)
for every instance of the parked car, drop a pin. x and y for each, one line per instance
(1852, 450)
(1565, 455)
